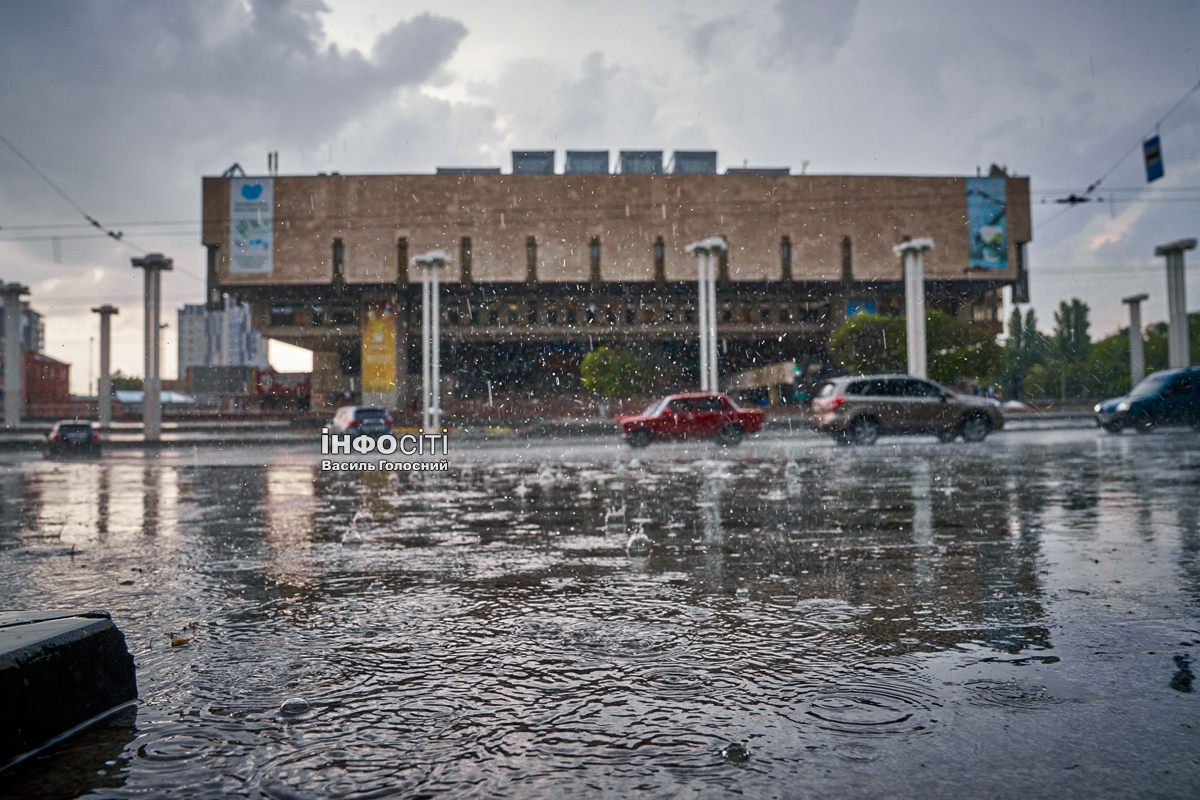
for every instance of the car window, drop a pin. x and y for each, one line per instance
(371, 413)
(826, 390)
(680, 405)
(1149, 386)
(1180, 386)
(709, 404)
(882, 387)
(75, 429)
(916, 388)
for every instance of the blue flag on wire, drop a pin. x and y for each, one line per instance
(1154, 165)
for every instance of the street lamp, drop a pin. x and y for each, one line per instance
(431, 400)
(914, 301)
(706, 252)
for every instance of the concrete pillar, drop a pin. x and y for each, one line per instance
(707, 253)
(14, 355)
(431, 372)
(914, 301)
(154, 264)
(1137, 356)
(104, 392)
(1177, 335)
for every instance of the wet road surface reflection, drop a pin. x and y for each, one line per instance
(788, 619)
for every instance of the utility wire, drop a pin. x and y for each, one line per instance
(1074, 199)
(115, 235)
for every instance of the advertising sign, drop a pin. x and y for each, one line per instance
(379, 348)
(251, 222)
(987, 227)
(1152, 148)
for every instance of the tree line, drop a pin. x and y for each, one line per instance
(1063, 364)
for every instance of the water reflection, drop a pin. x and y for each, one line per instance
(489, 630)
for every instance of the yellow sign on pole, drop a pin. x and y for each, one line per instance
(379, 348)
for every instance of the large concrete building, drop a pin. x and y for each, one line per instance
(543, 267)
(224, 337)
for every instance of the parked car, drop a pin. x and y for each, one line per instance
(362, 421)
(1169, 397)
(72, 436)
(692, 416)
(857, 409)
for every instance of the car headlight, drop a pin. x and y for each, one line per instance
(1097, 408)
(1122, 407)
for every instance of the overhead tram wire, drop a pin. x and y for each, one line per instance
(1072, 199)
(118, 236)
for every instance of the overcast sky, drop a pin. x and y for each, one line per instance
(127, 104)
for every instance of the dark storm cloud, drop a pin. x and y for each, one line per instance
(217, 68)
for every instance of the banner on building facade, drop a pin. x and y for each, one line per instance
(987, 227)
(379, 348)
(251, 226)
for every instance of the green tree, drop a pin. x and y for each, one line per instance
(125, 382)
(1072, 343)
(614, 373)
(876, 343)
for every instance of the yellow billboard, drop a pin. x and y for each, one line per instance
(379, 348)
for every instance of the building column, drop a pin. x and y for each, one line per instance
(1177, 321)
(14, 356)
(104, 392)
(1137, 357)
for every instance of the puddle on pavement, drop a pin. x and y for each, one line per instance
(789, 612)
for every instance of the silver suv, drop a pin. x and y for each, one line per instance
(857, 408)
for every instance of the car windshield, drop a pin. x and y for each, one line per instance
(74, 429)
(1150, 386)
(655, 408)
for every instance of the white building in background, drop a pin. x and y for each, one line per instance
(219, 338)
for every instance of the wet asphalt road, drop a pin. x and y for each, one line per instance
(789, 619)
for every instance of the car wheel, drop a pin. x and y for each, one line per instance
(947, 436)
(1146, 425)
(730, 436)
(1114, 428)
(640, 438)
(975, 429)
(863, 431)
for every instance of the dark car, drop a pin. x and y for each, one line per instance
(72, 437)
(362, 421)
(857, 409)
(1169, 397)
(692, 416)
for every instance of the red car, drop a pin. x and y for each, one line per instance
(692, 416)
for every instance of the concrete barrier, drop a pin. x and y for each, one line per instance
(60, 672)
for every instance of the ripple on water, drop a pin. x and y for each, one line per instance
(352, 772)
(615, 639)
(675, 681)
(1016, 695)
(870, 708)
